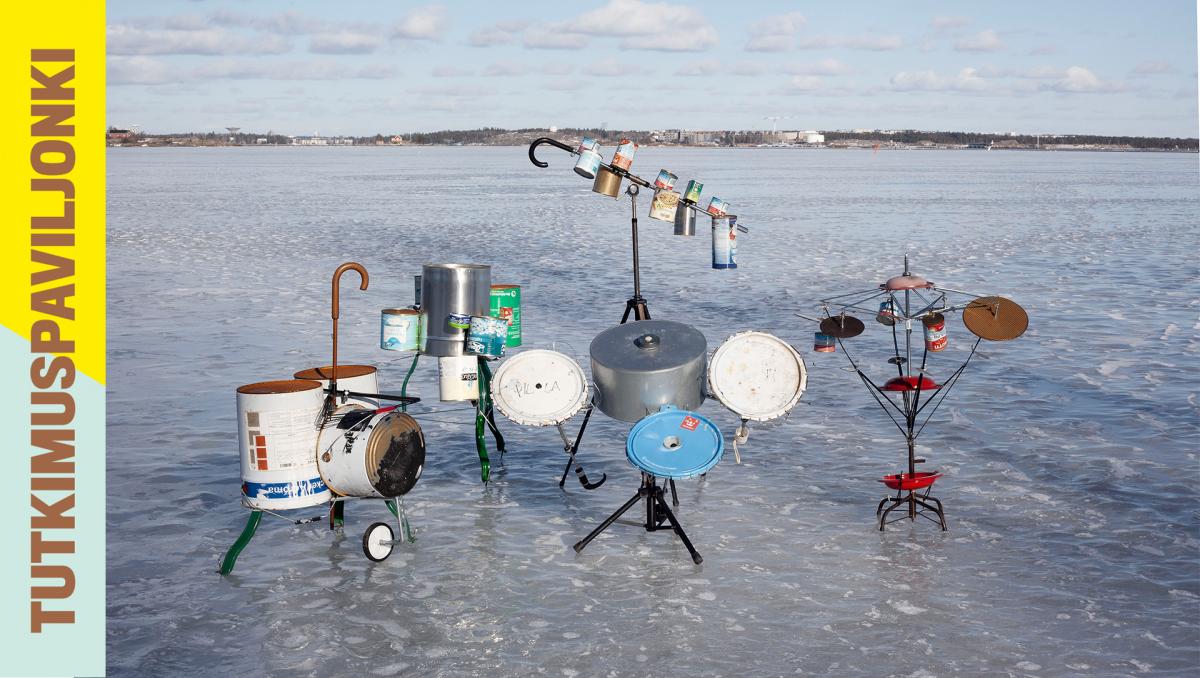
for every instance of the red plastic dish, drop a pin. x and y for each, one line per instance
(910, 384)
(910, 481)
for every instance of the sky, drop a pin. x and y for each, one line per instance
(360, 68)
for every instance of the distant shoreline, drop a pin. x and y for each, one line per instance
(825, 147)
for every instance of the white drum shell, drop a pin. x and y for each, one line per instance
(346, 472)
(283, 426)
(757, 375)
(539, 388)
(458, 378)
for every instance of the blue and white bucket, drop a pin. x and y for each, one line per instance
(399, 329)
(487, 336)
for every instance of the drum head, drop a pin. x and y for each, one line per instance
(995, 318)
(757, 375)
(842, 326)
(675, 444)
(395, 454)
(539, 388)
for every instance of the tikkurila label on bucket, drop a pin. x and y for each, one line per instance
(690, 423)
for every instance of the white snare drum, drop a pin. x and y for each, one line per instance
(539, 388)
(757, 375)
(371, 453)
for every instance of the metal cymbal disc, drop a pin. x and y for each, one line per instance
(842, 326)
(995, 318)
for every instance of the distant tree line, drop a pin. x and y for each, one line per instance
(962, 138)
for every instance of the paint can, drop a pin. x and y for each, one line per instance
(692, 194)
(588, 163)
(717, 207)
(723, 239)
(607, 183)
(823, 343)
(665, 181)
(623, 158)
(487, 336)
(685, 220)
(935, 332)
(417, 289)
(458, 378)
(506, 305)
(733, 238)
(277, 433)
(887, 312)
(664, 205)
(370, 453)
(399, 329)
(357, 378)
(459, 289)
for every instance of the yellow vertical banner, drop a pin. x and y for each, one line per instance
(53, 340)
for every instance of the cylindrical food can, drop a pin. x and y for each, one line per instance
(935, 331)
(685, 220)
(357, 378)
(588, 144)
(277, 433)
(460, 321)
(721, 242)
(607, 183)
(486, 336)
(717, 207)
(417, 289)
(458, 378)
(887, 312)
(623, 158)
(665, 180)
(732, 240)
(692, 194)
(588, 164)
(823, 343)
(664, 205)
(399, 329)
(506, 305)
(451, 289)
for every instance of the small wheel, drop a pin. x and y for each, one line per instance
(377, 541)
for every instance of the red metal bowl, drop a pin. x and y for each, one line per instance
(910, 481)
(910, 384)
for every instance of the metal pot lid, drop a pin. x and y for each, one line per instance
(757, 375)
(648, 346)
(675, 444)
(539, 388)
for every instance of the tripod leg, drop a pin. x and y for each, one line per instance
(582, 543)
(674, 494)
(628, 308)
(570, 460)
(678, 530)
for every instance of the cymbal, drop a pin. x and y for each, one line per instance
(995, 318)
(842, 326)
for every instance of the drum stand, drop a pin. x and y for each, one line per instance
(657, 512)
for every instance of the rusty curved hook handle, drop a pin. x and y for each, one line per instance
(335, 311)
(546, 140)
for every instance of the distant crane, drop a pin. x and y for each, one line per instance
(775, 119)
(233, 131)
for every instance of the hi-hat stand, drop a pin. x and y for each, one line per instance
(657, 512)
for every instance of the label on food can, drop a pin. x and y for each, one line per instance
(720, 242)
(732, 241)
(664, 205)
(459, 321)
(588, 144)
(717, 207)
(623, 158)
(693, 191)
(665, 180)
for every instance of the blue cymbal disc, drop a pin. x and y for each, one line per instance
(675, 444)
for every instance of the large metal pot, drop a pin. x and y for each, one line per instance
(641, 366)
(452, 288)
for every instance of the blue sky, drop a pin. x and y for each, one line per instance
(365, 67)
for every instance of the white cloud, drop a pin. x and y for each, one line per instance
(423, 23)
(749, 68)
(553, 37)
(1153, 68)
(290, 70)
(137, 70)
(128, 40)
(488, 37)
(648, 26)
(699, 68)
(695, 40)
(344, 42)
(1079, 80)
(983, 41)
(775, 33)
(823, 67)
(943, 23)
(505, 69)
(868, 42)
(450, 72)
(966, 80)
(611, 68)
(804, 83)
(1043, 50)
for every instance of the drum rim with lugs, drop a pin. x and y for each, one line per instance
(642, 445)
(725, 395)
(509, 408)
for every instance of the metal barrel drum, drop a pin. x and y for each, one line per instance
(458, 378)
(452, 290)
(823, 343)
(539, 388)
(665, 207)
(486, 336)
(400, 329)
(607, 183)
(358, 378)
(675, 444)
(639, 367)
(277, 434)
(935, 331)
(506, 305)
(369, 453)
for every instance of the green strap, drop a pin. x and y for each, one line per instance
(485, 465)
(404, 389)
(489, 411)
(234, 551)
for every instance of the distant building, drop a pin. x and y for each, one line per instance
(322, 141)
(115, 134)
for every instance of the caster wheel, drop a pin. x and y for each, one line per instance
(378, 541)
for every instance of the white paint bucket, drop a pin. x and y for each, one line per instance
(458, 378)
(277, 434)
(357, 378)
(369, 453)
(758, 376)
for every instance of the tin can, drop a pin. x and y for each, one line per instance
(664, 205)
(732, 240)
(623, 158)
(935, 332)
(417, 288)
(459, 321)
(721, 241)
(887, 312)
(399, 329)
(458, 378)
(506, 305)
(685, 220)
(823, 343)
(607, 183)
(692, 194)
(665, 180)
(588, 144)
(487, 336)
(588, 164)
(717, 207)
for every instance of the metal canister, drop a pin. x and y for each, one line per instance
(486, 336)
(823, 343)
(639, 367)
(664, 205)
(588, 164)
(692, 194)
(935, 331)
(685, 220)
(887, 312)
(452, 289)
(623, 158)
(717, 207)
(506, 304)
(607, 183)
(399, 329)
(722, 239)
(665, 181)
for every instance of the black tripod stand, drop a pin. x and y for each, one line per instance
(635, 304)
(657, 512)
